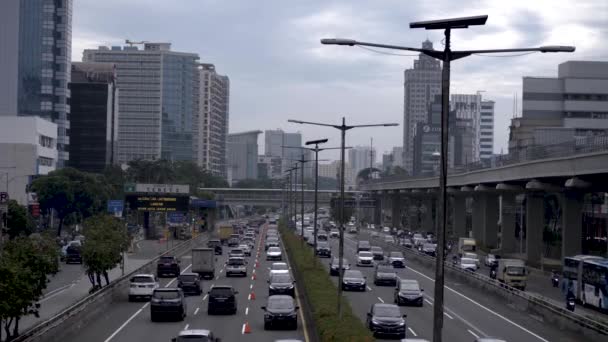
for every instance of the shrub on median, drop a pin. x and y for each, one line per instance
(322, 295)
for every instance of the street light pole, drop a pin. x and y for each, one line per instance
(447, 55)
(343, 128)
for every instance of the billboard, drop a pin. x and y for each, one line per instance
(158, 188)
(160, 203)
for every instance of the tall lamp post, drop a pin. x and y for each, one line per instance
(343, 128)
(447, 55)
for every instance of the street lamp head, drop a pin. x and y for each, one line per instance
(390, 124)
(314, 142)
(295, 121)
(338, 41)
(451, 23)
(556, 48)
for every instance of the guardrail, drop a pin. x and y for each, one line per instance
(530, 302)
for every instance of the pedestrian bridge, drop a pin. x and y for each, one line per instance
(273, 197)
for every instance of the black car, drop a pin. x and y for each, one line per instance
(335, 265)
(73, 255)
(363, 245)
(377, 252)
(167, 265)
(353, 280)
(168, 301)
(222, 299)
(281, 283)
(280, 311)
(385, 275)
(190, 283)
(233, 242)
(323, 249)
(386, 320)
(216, 244)
(408, 292)
(429, 249)
(396, 259)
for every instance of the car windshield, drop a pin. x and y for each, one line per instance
(322, 244)
(376, 249)
(279, 267)
(465, 261)
(166, 294)
(236, 251)
(280, 302)
(336, 261)
(365, 254)
(387, 311)
(236, 262)
(470, 255)
(409, 286)
(280, 278)
(142, 279)
(272, 239)
(353, 274)
(516, 270)
(396, 255)
(385, 269)
(193, 338)
(166, 259)
(221, 291)
(187, 277)
(429, 246)
(274, 249)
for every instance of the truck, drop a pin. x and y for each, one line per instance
(466, 245)
(225, 231)
(203, 262)
(512, 272)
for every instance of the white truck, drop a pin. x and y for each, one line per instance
(466, 245)
(203, 262)
(512, 272)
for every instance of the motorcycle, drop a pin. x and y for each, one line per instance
(570, 304)
(555, 280)
(493, 273)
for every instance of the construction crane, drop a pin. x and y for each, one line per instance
(131, 43)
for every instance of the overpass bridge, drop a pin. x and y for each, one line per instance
(271, 197)
(506, 194)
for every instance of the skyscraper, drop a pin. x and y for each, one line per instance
(421, 84)
(275, 139)
(158, 100)
(36, 41)
(486, 130)
(212, 126)
(242, 150)
(359, 158)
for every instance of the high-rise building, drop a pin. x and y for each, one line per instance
(35, 56)
(554, 110)
(486, 130)
(274, 140)
(398, 156)
(421, 84)
(94, 116)
(242, 153)
(361, 157)
(388, 161)
(158, 100)
(480, 114)
(332, 170)
(212, 126)
(270, 167)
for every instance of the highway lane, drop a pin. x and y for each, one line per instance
(131, 321)
(490, 314)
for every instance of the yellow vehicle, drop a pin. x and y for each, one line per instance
(225, 231)
(512, 272)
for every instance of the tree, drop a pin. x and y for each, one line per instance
(19, 222)
(25, 264)
(106, 238)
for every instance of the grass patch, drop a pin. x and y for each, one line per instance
(322, 295)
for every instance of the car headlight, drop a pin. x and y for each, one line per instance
(375, 321)
(402, 323)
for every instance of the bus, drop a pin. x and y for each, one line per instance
(595, 284)
(572, 274)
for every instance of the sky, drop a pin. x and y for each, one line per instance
(278, 69)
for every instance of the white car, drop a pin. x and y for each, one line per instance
(365, 258)
(468, 264)
(386, 230)
(473, 256)
(246, 249)
(334, 233)
(142, 286)
(274, 253)
(279, 267)
(195, 335)
(389, 239)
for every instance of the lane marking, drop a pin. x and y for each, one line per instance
(186, 327)
(246, 311)
(381, 300)
(126, 322)
(428, 301)
(61, 290)
(217, 278)
(368, 288)
(472, 333)
(251, 286)
(205, 298)
(249, 297)
(182, 272)
(196, 311)
(222, 270)
(243, 330)
(412, 331)
(481, 306)
(450, 317)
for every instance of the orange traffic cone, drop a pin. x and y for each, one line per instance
(253, 277)
(252, 296)
(247, 329)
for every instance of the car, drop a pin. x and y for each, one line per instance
(271, 243)
(334, 233)
(374, 234)
(168, 301)
(489, 339)
(249, 242)
(280, 310)
(365, 258)
(73, 255)
(386, 230)
(378, 253)
(236, 266)
(64, 249)
(389, 239)
(353, 280)
(386, 319)
(323, 249)
(216, 244)
(407, 242)
(429, 249)
(196, 335)
(278, 267)
(167, 265)
(246, 249)
(334, 266)
(274, 253)
(237, 253)
(491, 260)
(233, 242)
(190, 283)
(473, 256)
(468, 264)
(396, 259)
(142, 286)
(352, 229)
(222, 298)
(363, 245)
(385, 274)
(322, 237)
(281, 283)
(408, 292)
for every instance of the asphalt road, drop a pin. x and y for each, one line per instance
(469, 313)
(128, 321)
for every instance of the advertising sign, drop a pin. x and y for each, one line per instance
(163, 188)
(160, 203)
(116, 207)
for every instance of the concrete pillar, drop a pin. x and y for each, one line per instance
(428, 221)
(572, 212)
(535, 221)
(490, 222)
(377, 210)
(508, 210)
(477, 218)
(396, 210)
(412, 214)
(459, 214)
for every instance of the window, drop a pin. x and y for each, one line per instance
(46, 105)
(43, 161)
(46, 89)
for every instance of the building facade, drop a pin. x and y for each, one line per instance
(158, 100)
(360, 158)
(421, 84)
(270, 167)
(213, 118)
(28, 147)
(242, 156)
(274, 140)
(36, 41)
(398, 156)
(486, 130)
(94, 116)
(332, 170)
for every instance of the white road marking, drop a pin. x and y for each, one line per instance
(472, 333)
(381, 300)
(196, 311)
(251, 286)
(249, 297)
(412, 331)
(246, 311)
(369, 288)
(243, 330)
(483, 307)
(126, 322)
(182, 272)
(222, 270)
(217, 278)
(186, 327)
(205, 298)
(56, 292)
(428, 301)
(450, 317)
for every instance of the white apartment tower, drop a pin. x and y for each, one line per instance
(486, 130)
(421, 84)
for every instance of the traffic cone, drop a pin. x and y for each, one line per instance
(252, 296)
(247, 329)
(253, 276)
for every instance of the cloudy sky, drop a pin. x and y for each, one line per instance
(278, 69)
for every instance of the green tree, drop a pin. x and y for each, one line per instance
(19, 222)
(25, 264)
(106, 238)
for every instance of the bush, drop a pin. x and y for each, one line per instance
(322, 295)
